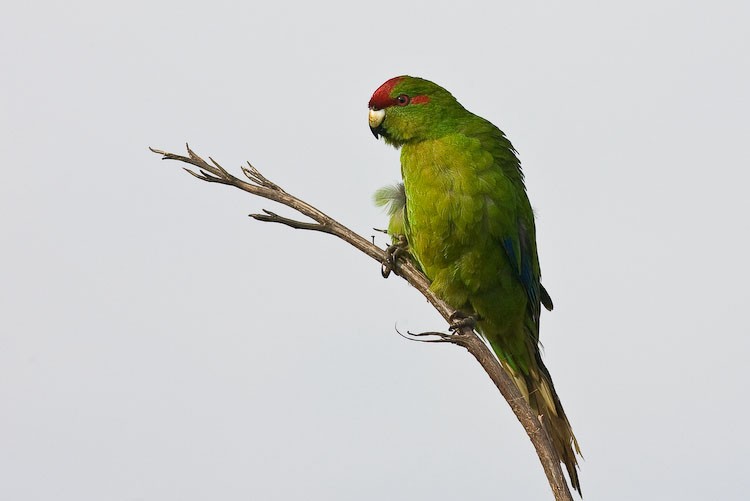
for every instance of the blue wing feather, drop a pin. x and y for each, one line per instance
(519, 251)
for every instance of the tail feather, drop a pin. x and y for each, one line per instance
(539, 392)
(545, 401)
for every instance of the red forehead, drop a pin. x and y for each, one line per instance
(382, 97)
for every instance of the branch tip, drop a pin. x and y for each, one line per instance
(194, 174)
(193, 155)
(218, 166)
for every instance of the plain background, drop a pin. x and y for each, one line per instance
(157, 344)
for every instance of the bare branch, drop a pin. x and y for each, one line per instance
(254, 175)
(260, 186)
(271, 217)
(431, 337)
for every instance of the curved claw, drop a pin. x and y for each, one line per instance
(393, 253)
(459, 320)
(385, 270)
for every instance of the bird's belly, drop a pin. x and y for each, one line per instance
(447, 236)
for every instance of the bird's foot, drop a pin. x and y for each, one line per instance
(393, 253)
(459, 320)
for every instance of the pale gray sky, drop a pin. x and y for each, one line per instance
(156, 344)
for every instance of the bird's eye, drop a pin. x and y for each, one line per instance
(402, 100)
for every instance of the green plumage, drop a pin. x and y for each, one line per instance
(470, 226)
(393, 199)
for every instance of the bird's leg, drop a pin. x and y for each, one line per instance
(459, 320)
(393, 253)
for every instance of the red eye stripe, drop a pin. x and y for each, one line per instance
(382, 99)
(421, 99)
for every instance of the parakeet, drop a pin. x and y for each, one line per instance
(470, 227)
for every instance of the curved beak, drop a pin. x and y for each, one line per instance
(375, 119)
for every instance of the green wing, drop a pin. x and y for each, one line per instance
(513, 224)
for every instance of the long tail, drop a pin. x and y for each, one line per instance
(539, 391)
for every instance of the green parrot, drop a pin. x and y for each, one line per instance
(470, 227)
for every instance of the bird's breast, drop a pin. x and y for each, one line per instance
(449, 189)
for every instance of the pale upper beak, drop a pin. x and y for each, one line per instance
(375, 118)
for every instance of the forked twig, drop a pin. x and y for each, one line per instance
(259, 185)
(272, 217)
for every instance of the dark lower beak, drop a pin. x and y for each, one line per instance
(376, 131)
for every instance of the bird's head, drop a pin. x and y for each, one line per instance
(409, 109)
